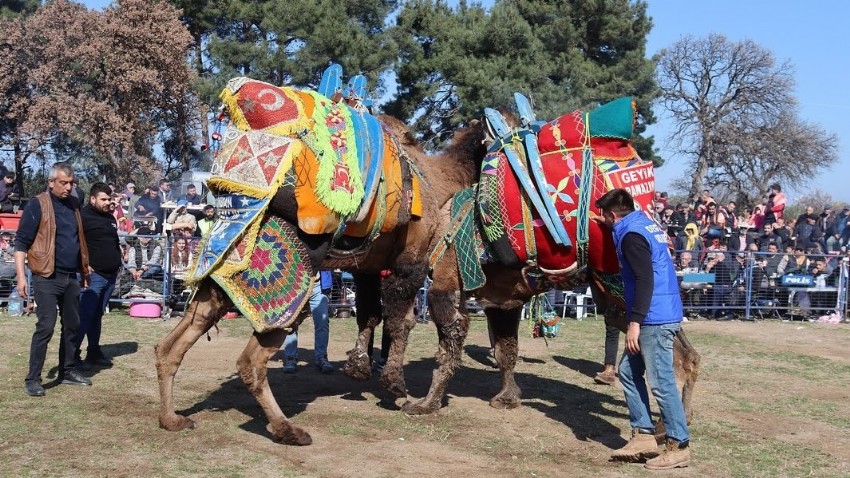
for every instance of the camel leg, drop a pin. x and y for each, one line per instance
(452, 327)
(686, 367)
(392, 378)
(505, 327)
(208, 306)
(398, 293)
(686, 362)
(253, 368)
(368, 303)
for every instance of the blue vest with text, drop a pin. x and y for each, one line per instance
(666, 304)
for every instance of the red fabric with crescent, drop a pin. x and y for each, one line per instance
(265, 106)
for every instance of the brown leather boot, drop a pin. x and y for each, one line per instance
(674, 456)
(641, 446)
(607, 376)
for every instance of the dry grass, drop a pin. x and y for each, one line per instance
(772, 401)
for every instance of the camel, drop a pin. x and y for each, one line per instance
(403, 249)
(508, 288)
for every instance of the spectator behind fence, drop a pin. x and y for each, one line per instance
(7, 257)
(798, 263)
(182, 222)
(192, 196)
(775, 207)
(767, 237)
(125, 225)
(841, 222)
(757, 219)
(148, 206)
(826, 220)
(726, 269)
(740, 240)
(101, 235)
(144, 260)
(731, 214)
(51, 240)
(677, 221)
(781, 229)
(206, 223)
(165, 192)
(713, 222)
(687, 262)
(130, 192)
(690, 239)
(10, 193)
(773, 263)
(833, 243)
(181, 253)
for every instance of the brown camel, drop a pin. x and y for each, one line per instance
(403, 249)
(505, 292)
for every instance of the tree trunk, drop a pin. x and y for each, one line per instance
(203, 108)
(20, 159)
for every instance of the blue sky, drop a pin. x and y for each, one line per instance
(811, 35)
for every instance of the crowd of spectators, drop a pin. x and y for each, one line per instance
(712, 237)
(141, 220)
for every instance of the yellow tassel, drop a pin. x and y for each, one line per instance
(230, 100)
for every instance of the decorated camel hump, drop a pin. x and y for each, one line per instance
(340, 166)
(539, 182)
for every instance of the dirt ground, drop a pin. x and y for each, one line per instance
(772, 400)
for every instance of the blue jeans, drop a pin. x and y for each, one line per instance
(93, 301)
(656, 361)
(153, 272)
(321, 323)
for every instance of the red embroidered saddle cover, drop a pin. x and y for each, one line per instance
(513, 228)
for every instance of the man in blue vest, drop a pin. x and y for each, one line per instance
(654, 311)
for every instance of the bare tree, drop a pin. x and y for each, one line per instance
(736, 119)
(96, 88)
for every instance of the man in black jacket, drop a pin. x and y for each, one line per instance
(101, 232)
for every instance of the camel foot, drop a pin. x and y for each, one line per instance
(504, 401)
(419, 407)
(357, 366)
(175, 423)
(287, 434)
(394, 385)
(393, 381)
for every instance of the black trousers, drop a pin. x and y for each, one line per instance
(63, 290)
(612, 339)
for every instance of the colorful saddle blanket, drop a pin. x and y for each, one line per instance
(284, 137)
(570, 147)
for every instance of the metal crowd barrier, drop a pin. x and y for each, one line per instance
(716, 284)
(760, 285)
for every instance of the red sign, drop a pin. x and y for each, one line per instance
(639, 181)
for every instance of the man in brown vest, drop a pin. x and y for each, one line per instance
(50, 240)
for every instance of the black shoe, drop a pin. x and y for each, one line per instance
(34, 388)
(82, 366)
(100, 361)
(71, 377)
